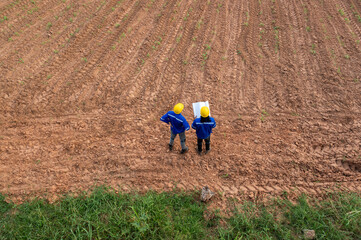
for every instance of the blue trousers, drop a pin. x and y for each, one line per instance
(182, 137)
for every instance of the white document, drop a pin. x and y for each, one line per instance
(197, 108)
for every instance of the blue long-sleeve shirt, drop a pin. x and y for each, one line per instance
(178, 123)
(203, 129)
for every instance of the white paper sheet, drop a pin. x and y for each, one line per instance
(197, 108)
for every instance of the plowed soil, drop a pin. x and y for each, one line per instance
(83, 84)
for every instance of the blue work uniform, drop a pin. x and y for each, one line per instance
(203, 129)
(178, 123)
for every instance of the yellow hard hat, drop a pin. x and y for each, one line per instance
(204, 111)
(178, 108)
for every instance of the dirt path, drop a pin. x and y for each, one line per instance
(84, 83)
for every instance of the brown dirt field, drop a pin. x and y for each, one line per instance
(84, 83)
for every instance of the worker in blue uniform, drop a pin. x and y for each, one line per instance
(178, 126)
(203, 127)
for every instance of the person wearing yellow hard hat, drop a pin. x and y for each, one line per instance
(178, 125)
(203, 127)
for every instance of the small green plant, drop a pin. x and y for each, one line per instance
(247, 16)
(277, 46)
(262, 118)
(121, 36)
(84, 59)
(205, 55)
(313, 51)
(21, 60)
(186, 17)
(125, 17)
(305, 10)
(308, 29)
(347, 56)
(219, 7)
(48, 77)
(49, 25)
(117, 25)
(264, 114)
(199, 23)
(358, 18)
(341, 12)
(225, 176)
(179, 38)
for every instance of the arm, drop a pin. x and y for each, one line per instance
(186, 125)
(165, 118)
(194, 124)
(214, 124)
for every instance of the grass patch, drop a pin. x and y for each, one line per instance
(106, 214)
(338, 217)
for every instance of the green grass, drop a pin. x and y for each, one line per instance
(106, 214)
(338, 217)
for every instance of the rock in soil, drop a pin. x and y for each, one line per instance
(309, 234)
(206, 194)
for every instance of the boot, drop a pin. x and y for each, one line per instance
(184, 150)
(208, 148)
